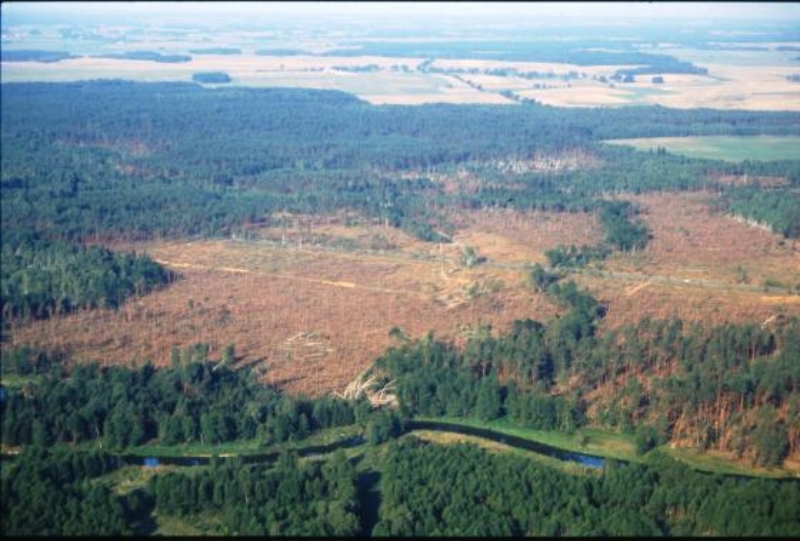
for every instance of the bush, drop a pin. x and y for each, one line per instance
(211, 77)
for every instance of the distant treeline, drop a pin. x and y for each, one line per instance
(147, 55)
(214, 77)
(34, 55)
(675, 66)
(583, 54)
(217, 50)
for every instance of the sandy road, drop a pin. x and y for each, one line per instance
(639, 280)
(332, 283)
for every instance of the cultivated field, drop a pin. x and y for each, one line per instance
(727, 148)
(754, 80)
(389, 85)
(312, 304)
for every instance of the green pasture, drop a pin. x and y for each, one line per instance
(725, 148)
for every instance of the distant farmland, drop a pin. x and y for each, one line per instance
(726, 148)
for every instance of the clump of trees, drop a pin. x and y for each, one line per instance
(780, 208)
(572, 257)
(621, 232)
(189, 402)
(290, 499)
(42, 278)
(215, 77)
(54, 492)
(728, 388)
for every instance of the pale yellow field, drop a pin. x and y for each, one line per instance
(752, 80)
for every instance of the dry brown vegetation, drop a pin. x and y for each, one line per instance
(313, 319)
(700, 265)
(691, 241)
(310, 304)
(512, 236)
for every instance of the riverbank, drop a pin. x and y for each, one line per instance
(586, 448)
(612, 445)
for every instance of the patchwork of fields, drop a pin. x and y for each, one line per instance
(758, 81)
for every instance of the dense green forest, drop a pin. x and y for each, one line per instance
(41, 278)
(107, 159)
(734, 388)
(290, 499)
(52, 492)
(778, 208)
(465, 491)
(191, 402)
(55, 487)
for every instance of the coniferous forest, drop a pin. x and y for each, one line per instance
(206, 445)
(136, 161)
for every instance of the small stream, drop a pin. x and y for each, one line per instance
(263, 458)
(591, 461)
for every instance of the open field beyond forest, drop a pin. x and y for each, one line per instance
(752, 81)
(732, 149)
(312, 305)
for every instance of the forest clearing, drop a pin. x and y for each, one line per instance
(332, 269)
(312, 304)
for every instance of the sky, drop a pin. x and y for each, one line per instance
(51, 12)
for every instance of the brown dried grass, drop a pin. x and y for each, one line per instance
(260, 297)
(315, 314)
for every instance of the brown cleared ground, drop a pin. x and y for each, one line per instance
(693, 242)
(311, 303)
(312, 319)
(700, 265)
(511, 236)
(632, 300)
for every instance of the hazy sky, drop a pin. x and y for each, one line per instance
(48, 12)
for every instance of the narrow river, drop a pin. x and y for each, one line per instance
(513, 441)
